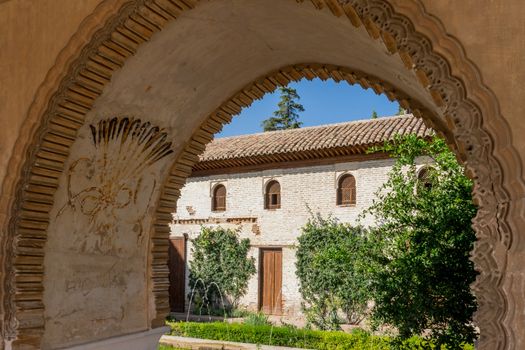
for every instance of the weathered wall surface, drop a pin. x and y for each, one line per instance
(101, 228)
(33, 33)
(304, 191)
(492, 33)
(493, 36)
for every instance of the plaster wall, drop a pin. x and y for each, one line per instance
(96, 283)
(184, 73)
(305, 191)
(34, 35)
(492, 34)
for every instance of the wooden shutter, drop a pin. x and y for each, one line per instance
(219, 198)
(346, 190)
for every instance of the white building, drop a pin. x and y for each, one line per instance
(269, 184)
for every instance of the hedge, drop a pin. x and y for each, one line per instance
(300, 338)
(170, 347)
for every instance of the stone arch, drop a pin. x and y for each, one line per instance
(464, 110)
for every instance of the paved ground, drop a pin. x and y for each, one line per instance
(205, 344)
(179, 316)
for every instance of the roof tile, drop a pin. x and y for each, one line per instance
(356, 134)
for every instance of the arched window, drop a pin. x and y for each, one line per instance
(423, 177)
(218, 201)
(346, 192)
(272, 198)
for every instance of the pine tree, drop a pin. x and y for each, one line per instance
(374, 115)
(287, 116)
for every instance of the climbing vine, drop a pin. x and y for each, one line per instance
(220, 268)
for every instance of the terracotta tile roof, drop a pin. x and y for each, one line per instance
(356, 136)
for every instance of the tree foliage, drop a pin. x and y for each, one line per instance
(422, 270)
(287, 116)
(401, 110)
(330, 268)
(220, 267)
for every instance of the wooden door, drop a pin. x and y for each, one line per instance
(177, 266)
(270, 280)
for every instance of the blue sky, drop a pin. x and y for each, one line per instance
(325, 102)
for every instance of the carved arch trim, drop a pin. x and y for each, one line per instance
(469, 118)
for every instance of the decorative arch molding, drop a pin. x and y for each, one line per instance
(468, 116)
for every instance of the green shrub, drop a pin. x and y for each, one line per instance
(169, 347)
(256, 319)
(301, 338)
(240, 313)
(220, 269)
(332, 273)
(422, 271)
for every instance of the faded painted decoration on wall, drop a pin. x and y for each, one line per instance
(112, 185)
(101, 227)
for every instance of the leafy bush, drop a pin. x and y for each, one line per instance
(239, 313)
(332, 272)
(170, 347)
(220, 268)
(301, 338)
(256, 319)
(422, 270)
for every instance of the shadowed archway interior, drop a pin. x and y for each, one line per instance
(128, 121)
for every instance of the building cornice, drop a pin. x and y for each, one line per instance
(284, 161)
